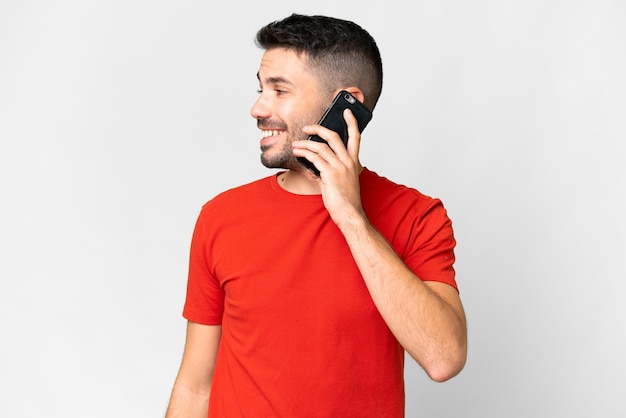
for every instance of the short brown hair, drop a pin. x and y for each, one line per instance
(341, 52)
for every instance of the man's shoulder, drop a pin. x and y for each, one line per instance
(239, 197)
(378, 187)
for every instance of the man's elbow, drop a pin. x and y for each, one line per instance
(447, 372)
(446, 368)
(445, 364)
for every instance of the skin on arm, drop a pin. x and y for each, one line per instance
(190, 395)
(427, 318)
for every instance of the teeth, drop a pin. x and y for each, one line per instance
(270, 133)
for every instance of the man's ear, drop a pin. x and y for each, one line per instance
(356, 92)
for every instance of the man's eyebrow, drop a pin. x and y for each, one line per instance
(275, 80)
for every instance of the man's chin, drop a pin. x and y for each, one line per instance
(280, 163)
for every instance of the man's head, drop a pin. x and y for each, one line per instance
(307, 61)
(339, 52)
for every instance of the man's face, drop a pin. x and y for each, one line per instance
(290, 98)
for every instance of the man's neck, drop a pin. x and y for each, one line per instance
(299, 182)
(302, 181)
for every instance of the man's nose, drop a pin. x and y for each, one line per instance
(260, 108)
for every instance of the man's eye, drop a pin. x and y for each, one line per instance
(277, 91)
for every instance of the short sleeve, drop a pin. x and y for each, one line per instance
(204, 302)
(430, 251)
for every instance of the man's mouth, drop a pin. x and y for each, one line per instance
(268, 133)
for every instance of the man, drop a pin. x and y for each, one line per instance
(305, 291)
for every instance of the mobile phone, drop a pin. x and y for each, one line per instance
(333, 120)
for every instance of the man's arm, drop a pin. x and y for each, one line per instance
(190, 395)
(427, 318)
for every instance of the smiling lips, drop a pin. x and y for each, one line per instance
(267, 134)
(269, 137)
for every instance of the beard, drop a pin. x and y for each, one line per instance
(281, 158)
(281, 155)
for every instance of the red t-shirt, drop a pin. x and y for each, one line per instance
(301, 336)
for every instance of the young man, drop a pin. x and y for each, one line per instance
(304, 292)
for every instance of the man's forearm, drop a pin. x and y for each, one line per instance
(428, 324)
(188, 403)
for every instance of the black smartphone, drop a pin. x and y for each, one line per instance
(333, 120)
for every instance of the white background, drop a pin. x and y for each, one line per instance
(119, 119)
